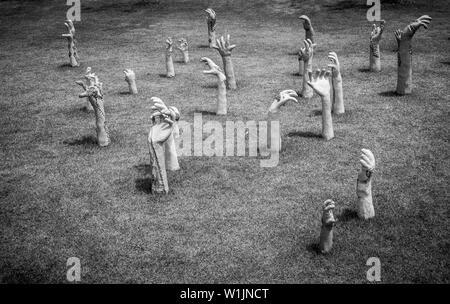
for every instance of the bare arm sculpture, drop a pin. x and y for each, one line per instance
(169, 61)
(306, 53)
(309, 34)
(284, 97)
(161, 143)
(94, 93)
(211, 22)
(321, 84)
(73, 55)
(338, 98)
(130, 78)
(364, 185)
(184, 48)
(404, 74)
(375, 37)
(224, 47)
(326, 232)
(91, 79)
(214, 69)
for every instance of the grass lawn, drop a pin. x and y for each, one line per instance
(225, 220)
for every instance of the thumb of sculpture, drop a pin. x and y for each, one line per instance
(130, 78)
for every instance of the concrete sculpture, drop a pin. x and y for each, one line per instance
(184, 48)
(326, 232)
(375, 38)
(320, 82)
(364, 185)
(404, 56)
(169, 60)
(336, 80)
(224, 47)
(309, 34)
(161, 142)
(94, 93)
(211, 22)
(306, 55)
(130, 78)
(73, 54)
(283, 98)
(215, 70)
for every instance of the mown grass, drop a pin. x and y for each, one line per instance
(226, 220)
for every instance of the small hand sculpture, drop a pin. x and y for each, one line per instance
(211, 22)
(73, 54)
(224, 47)
(338, 96)
(169, 61)
(326, 232)
(364, 185)
(306, 53)
(130, 78)
(184, 48)
(375, 37)
(309, 31)
(94, 92)
(214, 69)
(321, 84)
(284, 97)
(404, 75)
(163, 155)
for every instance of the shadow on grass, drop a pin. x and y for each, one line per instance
(364, 70)
(125, 93)
(203, 46)
(88, 140)
(347, 215)
(210, 86)
(67, 66)
(304, 134)
(314, 248)
(203, 112)
(165, 76)
(315, 113)
(345, 4)
(144, 185)
(388, 94)
(445, 62)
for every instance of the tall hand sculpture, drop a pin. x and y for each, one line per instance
(214, 69)
(309, 31)
(364, 185)
(94, 93)
(91, 79)
(404, 75)
(284, 97)
(161, 143)
(326, 232)
(224, 47)
(184, 48)
(169, 61)
(375, 37)
(211, 22)
(130, 78)
(73, 55)
(306, 54)
(338, 98)
(321, 84)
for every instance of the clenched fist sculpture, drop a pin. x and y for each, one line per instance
(94, 93)
(184, 49)
(404, 56)
(224, 47)
(320, 82)
(326, 232)
(215, 70)
(375, 37)
(211, 22)
(169, 60)
(284, 97)
(336, 81)
(161, 143)
(306, 55)
(364, 185)
(130, 78)
(73, 54)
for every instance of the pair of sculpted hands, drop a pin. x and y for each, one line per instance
(183, 46)
(163, 119)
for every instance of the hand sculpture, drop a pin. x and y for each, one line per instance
(184, 48)
(169, 61)
(73, 54)
(321, 84)
(375, 37)
(326, 232)
(364, 185)
(309, 31)
(130, 78)
(94, 93)
(211, 22)
(214, 69)
(92, 80)
(338, 98)
(224, 47)
(161, 143)
(404, 75)
(306, 54)
(284, 97)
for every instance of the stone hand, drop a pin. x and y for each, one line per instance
(320, 82)
(328, 218)
(284, 97)
(169, 45)
(223, 46)
(377, 31)
(306, 22)
(184, 46)
(211, 18)
(367, 161)
(306, 52)
(334, 65)
(213, 68)
(129, 75)
(415, 25)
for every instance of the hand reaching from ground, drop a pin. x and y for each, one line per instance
(284, 97)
